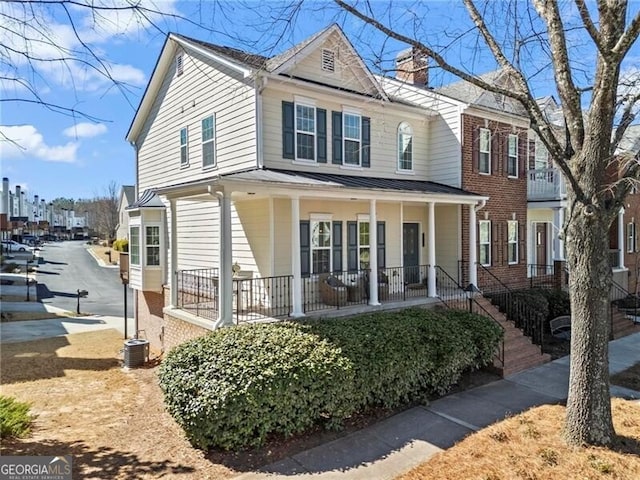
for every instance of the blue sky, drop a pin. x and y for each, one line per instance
(66, 154)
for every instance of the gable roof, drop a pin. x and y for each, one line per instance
(472, 94)
(128, 192)
(244, 62)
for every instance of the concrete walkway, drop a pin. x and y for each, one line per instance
(395, 445)
(27, 330)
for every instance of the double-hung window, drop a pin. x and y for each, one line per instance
(134, 245)
(512, 158)
(209, 141)
(305, 132)
(352, 135)
(184, 147)
(484, 239)
(631, 237)
(320, 246)
(152, 245)
(405, 147)
(512, 242)
(484, 157)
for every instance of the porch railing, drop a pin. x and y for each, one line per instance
(453, 295)
(253, 298)
(351, 288)
(516, 307)
(545, 184)
(198, 292)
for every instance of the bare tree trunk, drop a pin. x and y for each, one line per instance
(588, 419)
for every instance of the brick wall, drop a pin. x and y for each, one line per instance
(507, 197)
(163, 331)
(632, 259)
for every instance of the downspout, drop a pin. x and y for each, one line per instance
(260, 84)
(135, 296)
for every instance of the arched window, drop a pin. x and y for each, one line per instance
(405, 147)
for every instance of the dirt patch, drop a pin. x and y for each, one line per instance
(113, 422)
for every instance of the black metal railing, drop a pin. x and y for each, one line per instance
(454, 296)
(198, 292)
(351, 288)
(267, 297)
(253, 298)
(516, 306)
(541, 276)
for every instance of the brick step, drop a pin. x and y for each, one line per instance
(531, 362)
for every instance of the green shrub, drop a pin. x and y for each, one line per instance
(15, 419)
(236, 385)
(403, 356)
(558, 301)
(485, 335)
(121, 245)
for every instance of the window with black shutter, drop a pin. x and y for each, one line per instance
(305, 248)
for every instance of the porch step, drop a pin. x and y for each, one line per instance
(519, 352)
(623, 325)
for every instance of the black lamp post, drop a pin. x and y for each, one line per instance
(27, 278)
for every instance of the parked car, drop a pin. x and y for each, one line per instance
(13, 246)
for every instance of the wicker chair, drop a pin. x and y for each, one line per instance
(333, 291)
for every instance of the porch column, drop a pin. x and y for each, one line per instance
(558, 243)
(431, 251)
(473, 273)
(173, 264)
(225, 253)
(295, 259)
(373, 254)
(621, 238)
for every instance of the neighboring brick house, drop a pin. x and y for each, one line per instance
(487, 136)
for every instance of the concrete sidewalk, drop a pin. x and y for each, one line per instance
(395, 445)
(27, 330)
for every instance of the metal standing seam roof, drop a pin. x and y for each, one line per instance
(148, 199)
(348, 181)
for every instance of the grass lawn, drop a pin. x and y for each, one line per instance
(530, 446)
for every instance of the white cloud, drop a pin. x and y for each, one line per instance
(85, 130)
(40, 39)
(23, 141)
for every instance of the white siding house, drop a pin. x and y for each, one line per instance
(266, 176)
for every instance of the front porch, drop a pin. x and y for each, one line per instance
(340, 293)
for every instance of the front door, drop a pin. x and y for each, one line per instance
(540, 267)
(411, 252)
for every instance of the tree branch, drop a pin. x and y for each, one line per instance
(628, 38)
(588, 24)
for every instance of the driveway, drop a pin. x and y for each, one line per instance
(68, 267)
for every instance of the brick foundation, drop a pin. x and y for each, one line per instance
(163, 330)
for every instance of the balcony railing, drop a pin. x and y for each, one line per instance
(546, 184)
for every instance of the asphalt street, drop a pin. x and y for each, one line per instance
(68, 267)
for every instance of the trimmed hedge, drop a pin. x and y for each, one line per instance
(404, 356)
(237, 385)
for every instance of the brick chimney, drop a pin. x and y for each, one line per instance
(412, 67)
